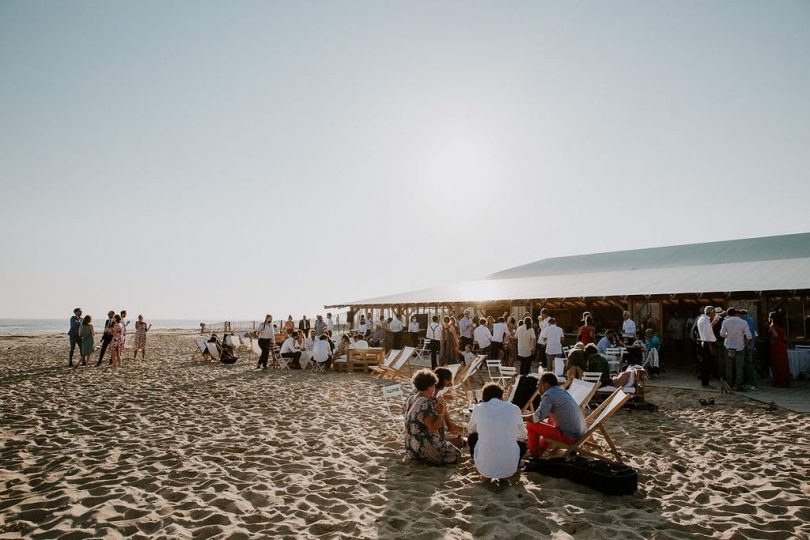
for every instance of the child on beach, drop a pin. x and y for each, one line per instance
(467, 356)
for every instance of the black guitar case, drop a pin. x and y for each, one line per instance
(608, 478)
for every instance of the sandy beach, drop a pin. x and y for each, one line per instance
(185, 448)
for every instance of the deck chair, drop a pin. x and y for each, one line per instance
(377, 371)
(397, 370)
(582, 392)
(528, 388)
(213, 351)
(254, 347)
(201, 348)
(234, 341)
(454, 369)
(587, 445)
(392, 395)
(472, 369)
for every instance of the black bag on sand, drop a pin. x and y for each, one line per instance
(608, 478)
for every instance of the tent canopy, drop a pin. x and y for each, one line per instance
(757, 264)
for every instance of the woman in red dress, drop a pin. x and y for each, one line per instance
(587, 332)
(780, 369)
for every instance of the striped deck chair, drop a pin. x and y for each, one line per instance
(377, 371)
(397, 370)
(587, 445)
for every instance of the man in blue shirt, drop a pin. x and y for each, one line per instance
(609, 340)
(568, 422)
(73, 333)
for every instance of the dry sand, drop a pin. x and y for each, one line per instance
(181, 448)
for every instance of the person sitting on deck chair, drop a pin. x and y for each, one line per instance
(214, 339)
(597, 362)
(575, 364)
(496, 434)
(227, 355)
(559, 417)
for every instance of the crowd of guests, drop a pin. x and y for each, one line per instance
(498, 434)
(82, 336)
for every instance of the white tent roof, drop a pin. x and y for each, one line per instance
(757, 264)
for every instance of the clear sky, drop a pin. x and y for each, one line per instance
(220, 160)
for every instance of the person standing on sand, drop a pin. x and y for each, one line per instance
(330, 323)
(86, 333)
(73, 334)
(124, 323)
(433, 335)
(780, 368)
(117, 343)
(267, 340)
(465, 330)
(141, 328)
(319, 326)
(106, 337)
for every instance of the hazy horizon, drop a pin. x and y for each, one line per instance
(218, 161)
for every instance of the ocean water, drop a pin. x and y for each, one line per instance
(55, 326)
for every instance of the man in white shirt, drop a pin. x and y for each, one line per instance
(499, 330)
(364, 327)
(737, 335)
(497, 434)
(124, 324)
(413, 330)
(552, 336)
(540, 349)
(322, 352)
(628, 329)
(359, 342)
(434, 336)
(525, 345)
(290, 349)
(396, 332)
(483, 337)
(465, 330)
(706, 344)
(330, 323)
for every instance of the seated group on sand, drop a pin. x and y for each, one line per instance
(498, 433)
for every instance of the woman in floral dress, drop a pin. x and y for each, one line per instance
(117, 343)
(141, 328)
(423, 421)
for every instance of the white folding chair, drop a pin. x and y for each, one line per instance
(392, 394)
(423, 349)
(592, 376)
(614, 357)
(493, 369)
(505, 374)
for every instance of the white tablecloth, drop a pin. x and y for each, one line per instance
(799, 361)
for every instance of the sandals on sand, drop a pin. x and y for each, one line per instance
(705, 402)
